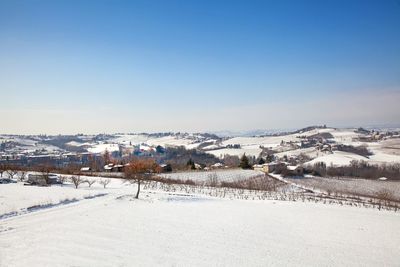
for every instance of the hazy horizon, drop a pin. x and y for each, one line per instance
(197, 66)
(221, 133)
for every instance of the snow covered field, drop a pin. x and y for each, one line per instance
(337, 158)
(16, 197)
(222, 175)
(180, 229)
(361, 187)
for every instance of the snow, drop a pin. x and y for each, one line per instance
(337, 158)
(101, 148)
(249, 151)
(16, 196)
(380, 157)
(188, 141)
(126, 139)
(77, 144)
(222, 175)
(170, 141)
(310, 151)
(361, 187)
(341, 158)
(166, 229)
(292, 168)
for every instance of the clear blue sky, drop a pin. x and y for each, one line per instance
(127, 66)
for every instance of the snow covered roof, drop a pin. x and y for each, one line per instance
(218, 164)
(258, 165)
(292, 168)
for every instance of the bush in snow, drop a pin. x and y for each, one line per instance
(105, 182)
(90, 182)
(11, 171)
(21, 175)
(77, 180)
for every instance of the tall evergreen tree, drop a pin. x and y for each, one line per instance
(261, 161)
(244, 162)
(190, 164)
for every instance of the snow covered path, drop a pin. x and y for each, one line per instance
(180, 230)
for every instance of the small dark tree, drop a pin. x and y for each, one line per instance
(167, 168)
(77, 180)
(12, 171)
(244, 162)
(107, 157)
(45, 170)
(63, 178)
(261, 161)
(2, 169)
(105, 182)
(160, 149)
(191, 164)
(319, 169)
(90, 182)
(22, 175)
(270, 158)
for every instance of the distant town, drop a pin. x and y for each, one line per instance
(110, 152)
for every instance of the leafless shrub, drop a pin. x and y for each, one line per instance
(11, 171)
(63, 179)
(385, 195)
(174, 181)
(212, 180)
(22, 175)
(105, 182)
(90, 182)
(45, 170)
(77, 180)
(2, 169)
(255, 183)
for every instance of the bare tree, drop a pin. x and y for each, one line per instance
(140, 170)
(45, 170)
(2, 169)
(107, 157)
(105, 182)
(63, 179)
(77, 180)
(90, 182)
(22, 175)
(11, 171)
(212, 179)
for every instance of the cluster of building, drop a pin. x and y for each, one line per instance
(282, 167)
(61, 160)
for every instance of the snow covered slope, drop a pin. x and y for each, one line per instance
(166, 229)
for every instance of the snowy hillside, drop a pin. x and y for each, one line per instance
(186, 229)
(318, 144)
(384, 150)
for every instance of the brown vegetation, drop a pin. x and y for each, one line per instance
(140, 170)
